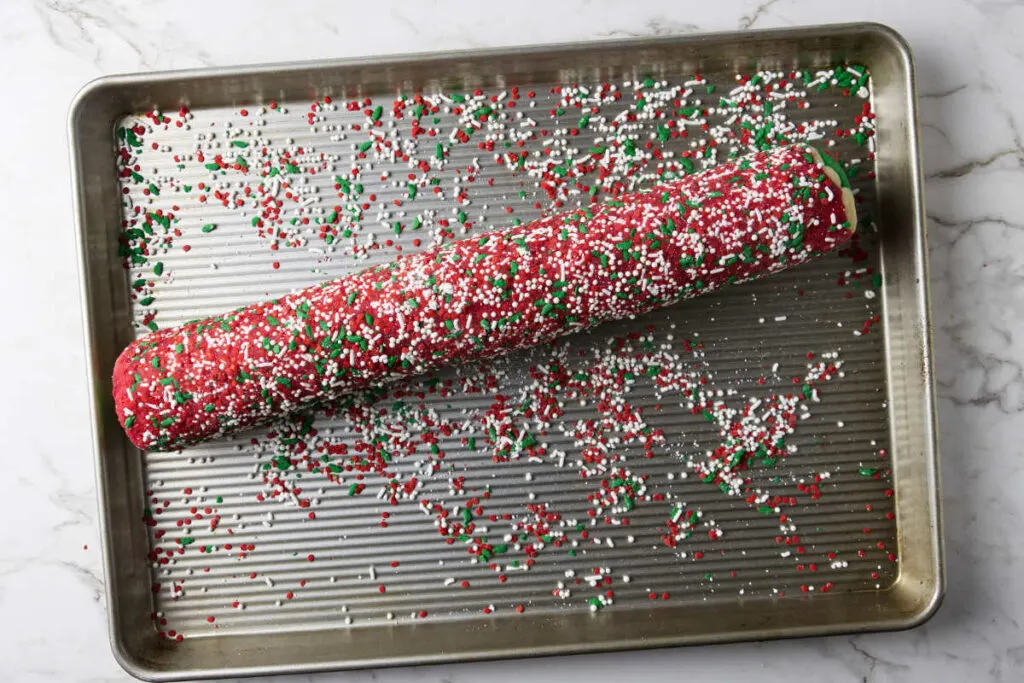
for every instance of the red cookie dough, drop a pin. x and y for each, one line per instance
(484, 296)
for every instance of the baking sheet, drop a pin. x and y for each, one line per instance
(872, 536)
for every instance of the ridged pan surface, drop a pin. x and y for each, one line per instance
(726, 468)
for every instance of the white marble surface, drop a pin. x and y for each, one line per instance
(969, 57)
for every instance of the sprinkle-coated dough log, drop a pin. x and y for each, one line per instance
(482, 296)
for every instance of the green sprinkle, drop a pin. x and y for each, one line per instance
(209, 227)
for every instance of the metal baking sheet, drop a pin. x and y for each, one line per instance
(745, 584)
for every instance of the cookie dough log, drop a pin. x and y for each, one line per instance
(483, 296)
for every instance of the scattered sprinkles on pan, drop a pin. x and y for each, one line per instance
(293, 195)
(365, 183)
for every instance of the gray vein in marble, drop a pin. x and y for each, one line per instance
(943, 93)
(400, 18)
(939, 130)
(846, 657)
(747, 21)
(331, 27)
(983, 369)
(203, 57)
(874, 660)
(86, 23)
(80, 505)
(1010, 116)
(87, 577)
(953, 223)
(652, 27)
(963, 169)
(983, 396)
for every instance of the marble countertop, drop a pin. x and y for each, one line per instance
(969, 55)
